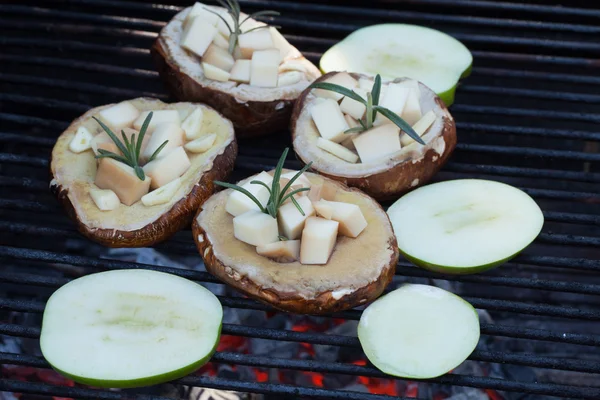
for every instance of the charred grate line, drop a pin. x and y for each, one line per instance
(44, 102)
(27, 139)
(12, 204)
(528, 131)
(536, 58)
(528, 151)
(519, 112)
(23, 160)
(33, 121)
(590, 177)
(532, 93)
(74, 46)
(22, 182)
(556, 77)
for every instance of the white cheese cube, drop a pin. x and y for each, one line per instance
(337, 150)
(349, 137)
(201, 10)
(240, 72)
(394, 100)
(420, 127)
(354, 108)
(218, 57)
(280, 43)
(351, 219)
(411, 84)
(162, 195)
(105, 199)
(323, 190)
(293, 65)
(215, 73)
(343, 79)
(221, 41)
(260, 39)
(374, 144)
(202, 144)
(365, 84)
(255, 228)
(82, 140)
(237, 54)
(289, 78)
(291, 221)
(238, 203)
(198, 35)
(167, 167)
(283, 251)
(119, 116)
(329, 120)
(318, 240)
(121, 179)
(221, 26)
(264, 69)
(412, 109)
(193, 123)
(169, 131)
(324, 208)
(302, 180)
(158, 117)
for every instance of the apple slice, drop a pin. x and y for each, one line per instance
(130, 328)
(427, 55)
(464, 226)
(418, 332)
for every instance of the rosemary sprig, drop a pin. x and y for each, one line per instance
(277, 194)
(373, 107)
(130, 148)
(233, 9)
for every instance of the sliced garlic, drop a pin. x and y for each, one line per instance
(192, 124)
(82, 140)
(202, 144)
(214, 73)
(105, 199)
(163, 194)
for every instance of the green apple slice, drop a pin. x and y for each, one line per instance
(130, 328)
(464, 226)
(418, 332)
(401, 50)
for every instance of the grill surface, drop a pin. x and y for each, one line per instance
(527, 116)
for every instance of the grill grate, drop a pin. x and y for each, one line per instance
(527, 116)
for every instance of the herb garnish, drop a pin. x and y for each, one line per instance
(233, 9)
(130, 148)
(373, 107)
(277, 195)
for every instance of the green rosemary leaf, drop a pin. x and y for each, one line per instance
(241, 190)
(139, 172)
(287, 196)
(277, 176)
(369, 113)
(360, 121)
(257, 28)
(272, 210)
(282, 238)
(143, 130)
(222, 19)
(109, 154)
(355, 129)
(129, 154)
(402, 124)
(289, 184)
(262, 184)
(375, 93)
(332, 87)
(113, 137)
(298, 206)
(153, 156)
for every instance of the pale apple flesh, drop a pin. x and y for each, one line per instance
(130, 328)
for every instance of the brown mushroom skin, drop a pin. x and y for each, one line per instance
(398, 180)
(177, 218)
(324, 303)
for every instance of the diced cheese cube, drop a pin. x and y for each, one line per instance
(121, 179)
(215, 73)
(241, 71)
(198, 35)
(222, 26)
(412, 109)
(237, 54)
(283, 182)
(119, 116)
(347, 142)
(259, 39)
(351, 219)
(374, 144)
(411, 84)
(255, 228)
(166, 131)
(193, 123)
(329, 120)
(289, 78)
(341, 78)
(82, 140)
(264, 67)
(238, 203)
(354, 108)
(293, 65)
(280, 43)
(324, 208)
(105, 199)
(202, 144)
(337, 150)
(129, 132)
(284, 251)
(291, 221)
(394, 100)
(325, 190)
(365, 84)
(302, 180)
(221, 41)
(158, 117)
(167, 167)
(200, 10)
(163, 194)
(420, 127)
(104, 142)
(218, 57)
(318, 240)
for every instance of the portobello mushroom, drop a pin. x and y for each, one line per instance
(255, 108)
(114, 215)
(355, 273)
(387, 165)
